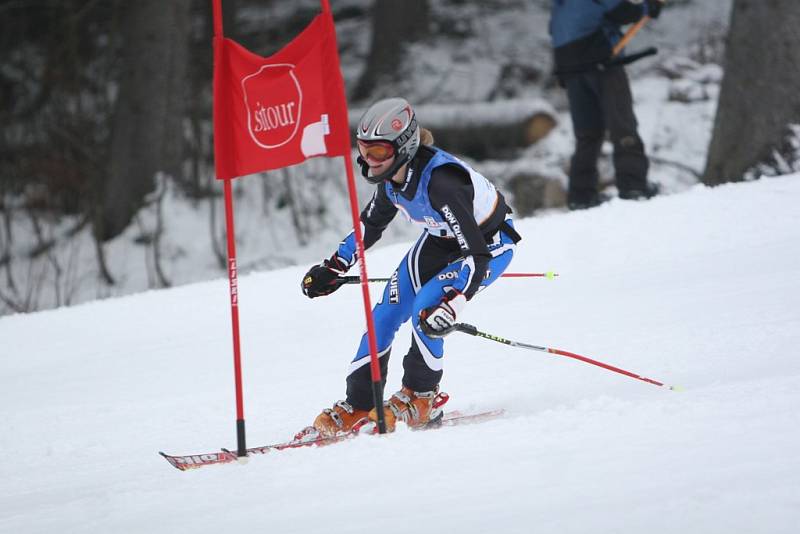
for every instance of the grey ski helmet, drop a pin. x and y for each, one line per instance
(390, 120)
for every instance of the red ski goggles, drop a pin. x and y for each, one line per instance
(375, 150)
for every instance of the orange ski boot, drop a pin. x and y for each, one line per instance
(339, 420)
(417, 409)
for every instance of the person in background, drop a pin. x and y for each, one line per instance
(583, 34)
(467, 241)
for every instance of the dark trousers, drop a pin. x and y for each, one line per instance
(423, 277)
(601, 101)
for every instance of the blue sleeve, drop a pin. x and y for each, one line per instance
(375, 218)
(611, 4)
(347, 250)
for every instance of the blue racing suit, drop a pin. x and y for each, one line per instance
(467, 243)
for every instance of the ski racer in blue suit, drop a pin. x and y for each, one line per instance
(468, 240)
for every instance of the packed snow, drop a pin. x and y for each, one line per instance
(697, 289)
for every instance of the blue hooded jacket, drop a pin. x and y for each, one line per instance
(585, 31)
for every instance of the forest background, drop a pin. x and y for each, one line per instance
(106, 150)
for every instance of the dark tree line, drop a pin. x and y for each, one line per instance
(55, 69)
(94, 95)
(99, 96)
(102, 99)
(146, 126)
(106, 101)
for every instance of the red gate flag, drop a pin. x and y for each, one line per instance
(272, 112)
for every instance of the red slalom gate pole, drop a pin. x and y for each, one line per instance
(473, 331)
(241, 446)
(233, 280)
(374, 365)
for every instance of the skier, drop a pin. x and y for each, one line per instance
(468, 240)
(584, 33)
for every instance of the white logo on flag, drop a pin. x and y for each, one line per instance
(273, 118)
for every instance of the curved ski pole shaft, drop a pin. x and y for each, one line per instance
(473, 331)
(632, 31)
(549, 275)
(357, 280)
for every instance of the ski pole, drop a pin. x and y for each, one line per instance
(632, 31)
(549, 275)
(473, 331)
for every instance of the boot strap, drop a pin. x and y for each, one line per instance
(344, 405)
(402, 397)
(334, 415)
(410, 413)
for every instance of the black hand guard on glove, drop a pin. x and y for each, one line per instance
(440, 319)
(654, 8)
(325, 278)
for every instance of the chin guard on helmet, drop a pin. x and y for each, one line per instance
(398, 162)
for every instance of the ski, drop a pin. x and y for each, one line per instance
(194, 461)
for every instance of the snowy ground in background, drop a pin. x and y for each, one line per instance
(698, 289)
(266, 236)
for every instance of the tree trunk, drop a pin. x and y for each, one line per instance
(146, 128)
(488, 130)
(484, 130)
(394, 24)
(759, 97)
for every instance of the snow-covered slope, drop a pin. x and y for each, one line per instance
(698, 289)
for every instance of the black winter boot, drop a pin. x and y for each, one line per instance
(648, 191)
